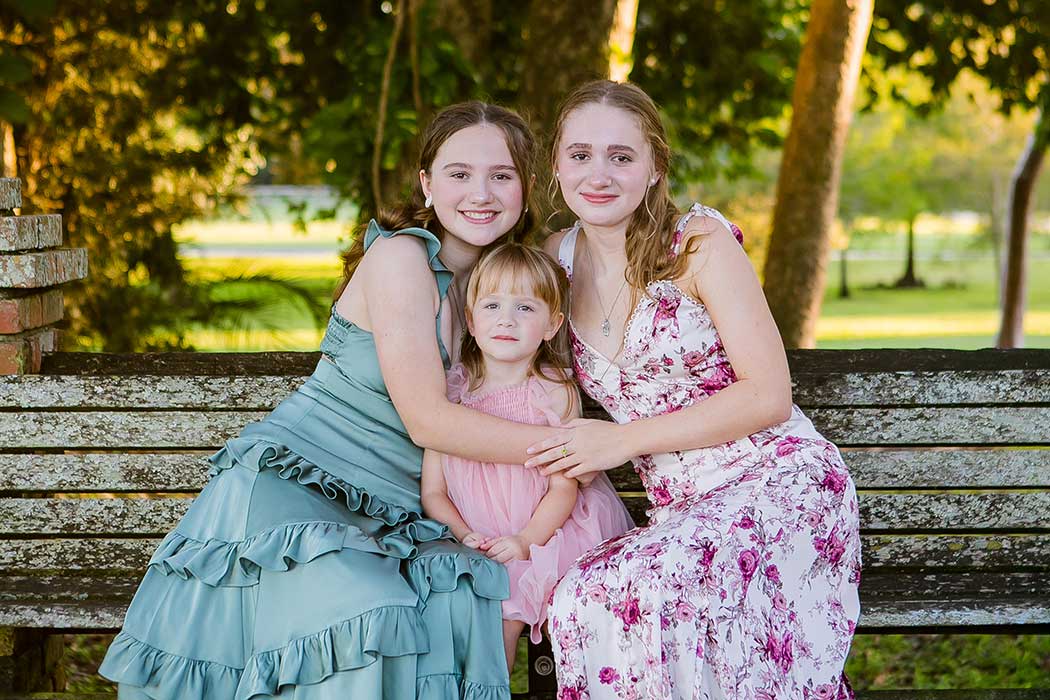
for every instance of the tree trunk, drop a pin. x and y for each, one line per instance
(843, 283)
(908, 280)
(469, 22)
(566, 43)
(811, 168)
(1011, 328)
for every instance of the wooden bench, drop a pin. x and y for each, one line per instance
(102, 454)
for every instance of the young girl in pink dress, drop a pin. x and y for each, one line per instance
(535, 525)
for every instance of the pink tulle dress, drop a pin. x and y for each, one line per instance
(497, 500)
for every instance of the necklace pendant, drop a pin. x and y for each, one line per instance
(606, 328)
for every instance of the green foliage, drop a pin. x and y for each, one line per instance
(1004, 42)
(134, 126)
(724, 78)
(949, 661)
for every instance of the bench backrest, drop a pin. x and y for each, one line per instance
(100, 456)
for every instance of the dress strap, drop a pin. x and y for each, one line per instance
(567, 249)
(698, 208)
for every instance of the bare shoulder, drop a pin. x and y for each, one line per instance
(553, 242)
(395, 258)
(704, 226)
(706, 239)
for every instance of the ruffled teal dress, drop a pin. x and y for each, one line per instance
(305, 569)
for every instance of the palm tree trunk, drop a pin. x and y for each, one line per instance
(811, 168)
(1011, 328)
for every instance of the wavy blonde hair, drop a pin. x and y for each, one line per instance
(651, 230)
(412, 213)
(529, 271)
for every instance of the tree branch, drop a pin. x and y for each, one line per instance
(384, 98)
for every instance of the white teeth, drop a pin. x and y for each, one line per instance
(478, 216)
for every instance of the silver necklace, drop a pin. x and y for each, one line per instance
(606, 326)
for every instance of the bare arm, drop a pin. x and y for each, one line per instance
(721, 275)
(556, 505)
(552, 511)
(434, 494)
(399, 292)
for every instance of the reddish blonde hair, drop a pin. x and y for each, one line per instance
(525, 270)
(650, 232)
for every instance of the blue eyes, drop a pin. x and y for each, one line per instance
(492, 306)
(617, 158)
(500, 177)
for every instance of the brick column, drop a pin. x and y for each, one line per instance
(33, 266)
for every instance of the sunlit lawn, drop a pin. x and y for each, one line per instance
(957, 309)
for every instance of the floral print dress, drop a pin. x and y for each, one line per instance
(744, 584)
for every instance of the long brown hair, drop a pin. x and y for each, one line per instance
(526, 270)
(412, 213)
(650, 232)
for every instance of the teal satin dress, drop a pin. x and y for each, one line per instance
(305, 569)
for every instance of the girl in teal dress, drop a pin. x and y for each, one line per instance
(306, 569)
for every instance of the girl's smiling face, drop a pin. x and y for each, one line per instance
(476, 190)
(604, 164)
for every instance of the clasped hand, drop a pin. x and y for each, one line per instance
(585, 449)
(501, 549)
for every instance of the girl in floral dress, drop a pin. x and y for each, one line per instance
(744, 584)
(534, 525)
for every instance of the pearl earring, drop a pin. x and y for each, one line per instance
(557, 175)
(428, 202)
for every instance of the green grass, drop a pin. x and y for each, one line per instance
(957, 309)
(876, 662)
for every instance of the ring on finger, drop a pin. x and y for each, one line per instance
(564, 451)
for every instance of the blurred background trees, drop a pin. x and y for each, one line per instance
(133, 117)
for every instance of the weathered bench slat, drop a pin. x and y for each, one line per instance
(854, 426)
(930, 510)
(985, 551)
(80, 601)
(91, 516)
(100, 602)
(960, 468)
(970, 511)
(171, 392)
(933, 425)
(876, 468)
(985, 388)
(959, 612)
(897, 552)
(104, 429)
(117, 471)
(871, 468)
